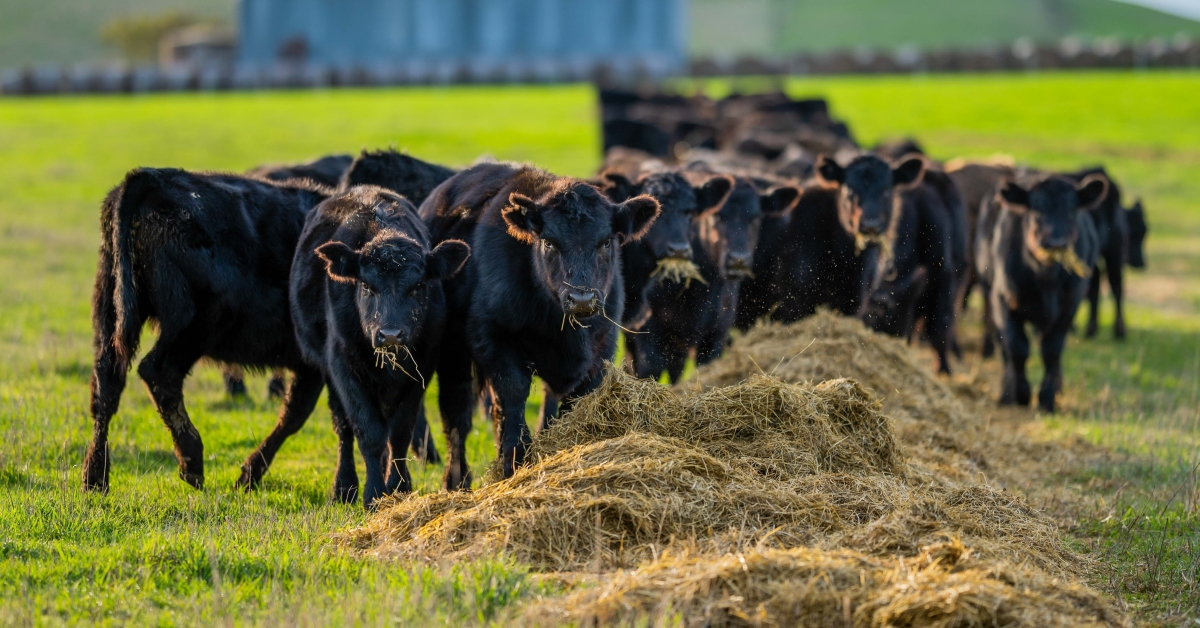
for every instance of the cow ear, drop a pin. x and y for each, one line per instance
(909, 173)
(341, 261)
(830, 170)
(1016, 196)
(523, 217)
(780, 200)
(617, 186)
(713, 194)
(1091, 191)
(634, 218)
(447, 259)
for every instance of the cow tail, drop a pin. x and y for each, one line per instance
(120, 211)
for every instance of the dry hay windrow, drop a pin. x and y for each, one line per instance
(763, 502)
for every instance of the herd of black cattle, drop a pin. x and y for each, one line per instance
(369, 275)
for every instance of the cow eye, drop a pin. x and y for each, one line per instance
(367, 290)
(605, 245)
(547, 246)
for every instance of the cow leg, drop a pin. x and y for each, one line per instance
(345, 480)
(510, 385)
(398, 478)
(1015, 345)
(712, 345)
(649, 352)
(1052, 348)
(235, 381)
(370, 430)
(301, 398)
(1093, 296)
(551, 408)
(989, 326)
(108, 382)
(456, 400)
(163, 370)
(1116, 282)
(422, 443)
(277, 385)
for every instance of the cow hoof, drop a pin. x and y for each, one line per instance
(196, 480)
(1119, 332)
(345, 494)
(456, 479)
(248, 480)
(1091, 332)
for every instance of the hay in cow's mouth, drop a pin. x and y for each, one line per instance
(677, 270)
(763, 502)
(390, 357)
(1066, 257)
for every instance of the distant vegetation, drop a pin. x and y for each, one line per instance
(773, 26)
(138, 36)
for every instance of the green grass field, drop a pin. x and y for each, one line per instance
(154, 551)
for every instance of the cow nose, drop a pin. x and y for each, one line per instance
(582, 302)
(737, 264)
(871, 226)
(389, 337)
(679, 251)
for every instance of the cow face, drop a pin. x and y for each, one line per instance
(1050, 208)
(681, 204)
(574, 232)
(731, 234)
(1138, 228)
(393, 275)
(868, 190)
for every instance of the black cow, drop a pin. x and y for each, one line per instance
(403, 174)
(326, 171)
(414, 179)
(698, 315)
(927, 262)
(540, 294)
(827, 251)
(367, 301)
(682, 204)
(1115, 235)
(1033, 253)
(207, 257)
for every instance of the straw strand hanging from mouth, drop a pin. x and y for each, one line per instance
(388, 356)
(677, 270)
(1066, 257)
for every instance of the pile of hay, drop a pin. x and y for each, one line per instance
(946, 433)
(763, 502)
(945, 585)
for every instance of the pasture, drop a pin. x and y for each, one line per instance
(155, 551)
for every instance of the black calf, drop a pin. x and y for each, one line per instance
(699, 314)
(827, 252)
(1033, 254)
(207, 257)
(541, 293)
(927, 263)
(669, 239)
(1115, 235)
(326, 171)
(403, 174)
(367, 300)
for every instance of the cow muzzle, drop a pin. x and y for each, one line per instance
(386, 337)
(738, 266)
(581, 303)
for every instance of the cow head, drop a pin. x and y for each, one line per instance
(574, 232)
(1138, 228)
(1050, 208)
(731, 234)
(394, 275)
(681, 203)
(868, 190)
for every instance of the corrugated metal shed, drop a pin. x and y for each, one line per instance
(372, 33)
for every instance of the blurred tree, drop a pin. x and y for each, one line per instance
(137, 36)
